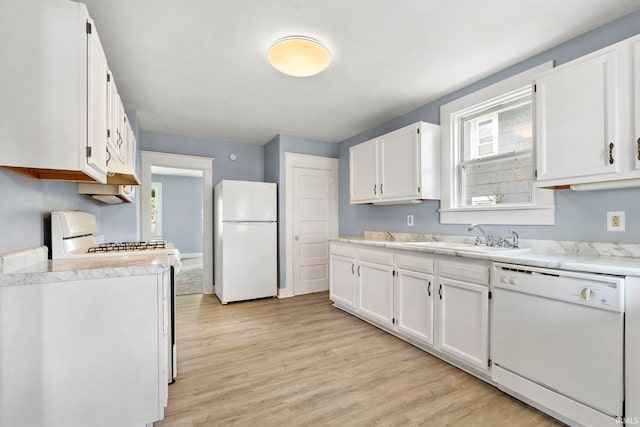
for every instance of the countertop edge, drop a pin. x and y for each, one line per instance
(619, 266)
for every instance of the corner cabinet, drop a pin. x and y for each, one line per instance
(587, 110)
(399, 167)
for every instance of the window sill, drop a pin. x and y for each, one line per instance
(495, 214)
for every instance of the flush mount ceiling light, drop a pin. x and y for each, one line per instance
(299, 56)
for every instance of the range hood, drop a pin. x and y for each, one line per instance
(119, 174)
(108, 193)
(119, 187)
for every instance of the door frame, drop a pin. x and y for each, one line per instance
(205, 164)
(291, 161)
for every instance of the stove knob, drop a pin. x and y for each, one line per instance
(586, 294)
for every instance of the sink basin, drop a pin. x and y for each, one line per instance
(438, 244)
(465, 247)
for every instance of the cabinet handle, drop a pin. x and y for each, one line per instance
(353, 271)
(638, 148)
(440, 291)
(381, 192)
(611, 153)
(358, 271)
(109, 156)
(429, 288)
(374, 189)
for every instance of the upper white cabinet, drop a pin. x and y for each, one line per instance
(587, 118)
(399, 167)
(363, 164)
(53, 110)
(635, 113)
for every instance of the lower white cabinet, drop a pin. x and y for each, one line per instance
(84, 353)
(342, 288)
(414, 297)
(463, 310)
(440, 305)
(375, 291)
(463, 319)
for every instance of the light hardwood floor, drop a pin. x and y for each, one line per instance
(300, 361)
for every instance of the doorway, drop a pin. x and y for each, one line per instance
(179, 165)
(176, 217)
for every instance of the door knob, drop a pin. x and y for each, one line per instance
(297, 237)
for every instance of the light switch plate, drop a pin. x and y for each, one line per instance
(615, 221)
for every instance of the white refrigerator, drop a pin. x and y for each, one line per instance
(245, 240)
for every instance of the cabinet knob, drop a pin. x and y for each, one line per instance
(611, 153)
(297, 237)
(638, 148)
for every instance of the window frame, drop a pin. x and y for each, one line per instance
(542, 209)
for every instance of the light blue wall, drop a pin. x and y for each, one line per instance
(274, 171)
(181, 211)
(579, 215)
(249, 165)
(26, 206)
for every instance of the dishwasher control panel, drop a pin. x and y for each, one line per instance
(596, 290)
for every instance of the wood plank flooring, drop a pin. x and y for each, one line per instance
(302, 362)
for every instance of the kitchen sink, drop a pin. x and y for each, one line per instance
(465, 247)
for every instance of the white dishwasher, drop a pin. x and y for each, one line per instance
(557, 339)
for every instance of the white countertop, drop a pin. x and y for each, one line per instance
(64, 270)
(534, 257)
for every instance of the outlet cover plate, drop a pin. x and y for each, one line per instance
(410, 220)
(615, 221)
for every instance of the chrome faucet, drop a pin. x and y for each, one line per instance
(488, 240)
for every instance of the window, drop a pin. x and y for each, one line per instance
(488, 169)
(156, 210)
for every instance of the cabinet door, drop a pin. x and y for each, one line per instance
(636, 103)
(342, 280)
(414, 304)
(363, 172)
(375, 291)
(576, 120)
(97, 114)
(399, 164)
(464, 322)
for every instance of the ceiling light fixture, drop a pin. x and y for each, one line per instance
(299, 56)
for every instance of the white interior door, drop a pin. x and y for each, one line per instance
(315, 218)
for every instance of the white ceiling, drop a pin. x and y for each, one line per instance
(199, 68)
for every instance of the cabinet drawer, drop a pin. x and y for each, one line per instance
(342, 249)
(468, 271)
(422, 264)
(375, 256)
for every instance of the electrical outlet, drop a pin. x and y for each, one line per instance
(410, 220)
(615, 221)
